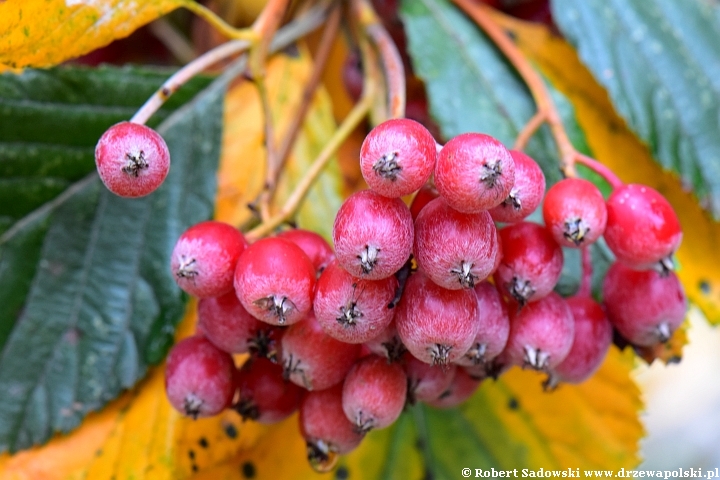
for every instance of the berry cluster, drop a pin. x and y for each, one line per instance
(417, 303)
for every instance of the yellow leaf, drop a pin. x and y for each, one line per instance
(43, 33)
(140, 435)
(615, 145)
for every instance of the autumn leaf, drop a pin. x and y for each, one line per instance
(39, 33)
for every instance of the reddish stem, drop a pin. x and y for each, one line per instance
(600, 169)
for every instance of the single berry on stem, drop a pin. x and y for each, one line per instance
(646, 307)
(373, 235)
(204, 258)
(642, 229)
(132, 159)
(397, 157)
(474, 172)
(456, 250)
(350, 309)
(531, 264)
(574, 212)
(435, 324)
(493, 329)
(274, 281)
(526, 193)
(199, 378)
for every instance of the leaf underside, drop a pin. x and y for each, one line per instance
(86, 296)
(658, 62)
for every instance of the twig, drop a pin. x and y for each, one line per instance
(173, 40)
(219, 24)
(529, 130)
(600, 169)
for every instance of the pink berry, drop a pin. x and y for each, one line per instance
(424, 196)
(374, 393)
(387, 344)
(226, 323)
(315, 247)
(353, 310)
(314, 360)
(474, 172)
(204, 258)
(574, 212)
(541, 334)
(264, 396)
(199, 378)
(435, 324)
(531, 264)
(274, 281)
(593, 336)
(426, 382)
(456, 250)
(646, 307)
(373, 235)
(460, 390)
(325, 427)
(642, 228)
(397, 157)
(527, 191)
(132, 159)
(493, 329)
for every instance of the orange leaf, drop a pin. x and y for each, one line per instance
(43, 33)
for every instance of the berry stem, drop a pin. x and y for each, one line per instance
(271, 159)
(283, 152)
(285, 36)
(529, 130)
(600, 169)
(545, 105)
(356, 115)
(585, 289)
(390, 59)
(219, 24)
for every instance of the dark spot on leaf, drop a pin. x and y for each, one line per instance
(513, 403)
(191, 454)
(511, 34)
(248, 470)
(704, 286)
(342, 473)
(674, 359)
(203, 442)
(98, 452)
(194, 468)
(292, 51)
(231, 431)
(420, 444)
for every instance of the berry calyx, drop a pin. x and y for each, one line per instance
(574, 212)
(132, 159)
(642, 228)
(397, 157)
(204, 258)
(526, 193)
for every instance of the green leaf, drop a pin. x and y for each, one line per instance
(475, 89)
(658, 61)
(86, 295)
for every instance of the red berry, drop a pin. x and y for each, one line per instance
(474, 172)
(199, 378)
(374, 393)
(397, 157)
(313, 359)
(574, 212)
(226, 323)
(460, 390)
(646, 307)
(132, 159)
(493, 330)
(426, 382)
(531, 264)
(353, 310)
(642, 228)
(264, 396)
(593, 336)
(387, 344)
(274, 281)
(424, 196)
(527, 191)
(325, 427)
(456, 250)
(204, 258)
(373, 235)
(435, 324)
(541, 334)
(315, 247)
